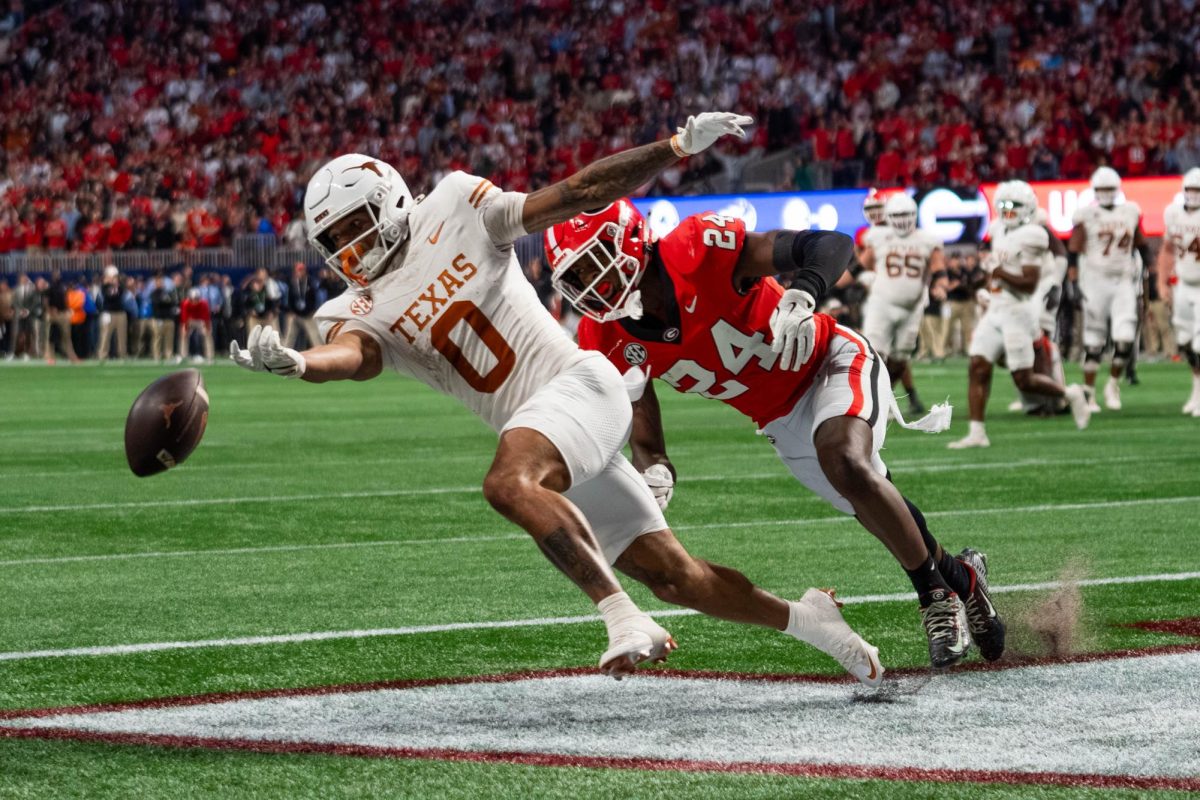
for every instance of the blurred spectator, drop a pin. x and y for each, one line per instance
(113, 318)
(195, 316)
(304, 301)
(7, 315)
(164, 311)
(963, 277)
(260, 300)
(28, 309)
(58, 319)
(77, 302)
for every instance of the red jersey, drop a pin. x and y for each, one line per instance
(194, 311)
(717, 341)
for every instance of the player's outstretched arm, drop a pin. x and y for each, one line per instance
(351, 356)
(609, 179)
(1026, 282)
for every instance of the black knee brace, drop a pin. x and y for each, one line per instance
(1121, 353)
(1091, 358)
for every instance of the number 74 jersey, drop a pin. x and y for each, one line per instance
(456, 312)
(716, 340)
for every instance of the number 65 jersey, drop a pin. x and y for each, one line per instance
(456, 312)
(716, 341)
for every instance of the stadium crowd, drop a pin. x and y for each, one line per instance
(181, 124)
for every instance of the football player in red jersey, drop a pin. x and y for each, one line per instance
(700, 310)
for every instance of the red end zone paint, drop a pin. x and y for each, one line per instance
(603, 762)
(1189, 626)
(794, 769)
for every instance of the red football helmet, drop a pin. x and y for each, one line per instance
(873, 207)
(596, 259)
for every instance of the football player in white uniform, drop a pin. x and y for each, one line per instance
(436, 293)
(1106, 235)
(904, 261)
(1179, 277)
(1019, 247)
(1045, 301)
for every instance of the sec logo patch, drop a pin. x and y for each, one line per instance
(362, 305)
(635, 354)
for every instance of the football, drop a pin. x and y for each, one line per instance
(166, 422)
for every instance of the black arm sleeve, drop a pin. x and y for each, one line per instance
(1072, 258)
(814, 259)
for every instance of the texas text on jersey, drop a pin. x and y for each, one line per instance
(716, 341)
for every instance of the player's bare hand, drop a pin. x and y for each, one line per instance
(794, 329)
(703, 129)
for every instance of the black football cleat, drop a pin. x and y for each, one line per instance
(946, 627)
(987, 629)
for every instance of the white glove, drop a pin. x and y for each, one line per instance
(983, 297)
(265, 353)
(794, 330)
(661, 483)
(703, 129)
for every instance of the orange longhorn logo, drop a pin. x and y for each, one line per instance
(370, 165)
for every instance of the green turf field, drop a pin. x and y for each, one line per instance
(355, 507)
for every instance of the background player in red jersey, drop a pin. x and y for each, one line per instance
(701, 311)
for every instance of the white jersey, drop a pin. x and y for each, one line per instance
(1183, 234)
(1013, 250)
(872, 235)
(902, 266)
(456, 312)
(1110, 234)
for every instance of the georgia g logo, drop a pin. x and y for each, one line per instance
(635, 354)
(362, 305)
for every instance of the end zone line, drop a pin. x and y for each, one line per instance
(769, 523)
(318, 636)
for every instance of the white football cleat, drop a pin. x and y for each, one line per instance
(826, 630)
(1192, 405)
(1090, 392)
(1016, 406)
(1112, 395)
(970, 440)
(635, 640)
(1080, 408)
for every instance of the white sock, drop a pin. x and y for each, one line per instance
(975, 430)
(617, 608)
(1195, 385)
(800, 622)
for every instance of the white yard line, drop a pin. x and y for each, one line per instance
(319, 636)
(769, 523)
(906, 466)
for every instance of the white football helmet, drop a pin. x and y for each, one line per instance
(346, 185)
(1191, 188)
(901, 213)
(1105, 185)
(1016, 204)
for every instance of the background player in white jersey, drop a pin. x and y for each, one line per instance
(1106, 234)
(873, 205)
(1045, 301)
(1179, 277)
(904, 261)
(437, 294)
(1019, 247)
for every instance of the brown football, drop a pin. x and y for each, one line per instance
(166, 422)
